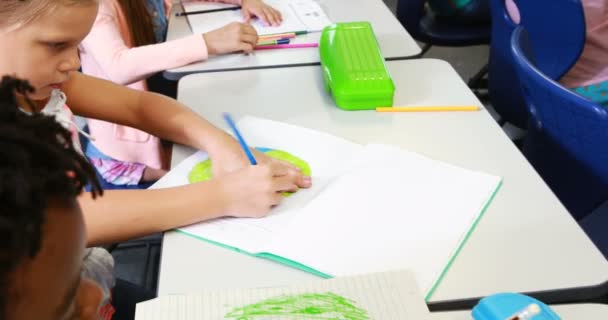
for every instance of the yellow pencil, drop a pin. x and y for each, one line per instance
(277, 37)
(286, 34)
(427, 108)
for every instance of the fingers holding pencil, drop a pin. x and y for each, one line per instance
(249, 38)
(233, 37)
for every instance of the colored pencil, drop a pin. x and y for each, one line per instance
(288, 46)
(268, 38)
(239, 137)
(427, 108)
(273, 42)
(295, 33)
(181, 14)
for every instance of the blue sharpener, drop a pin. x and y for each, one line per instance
(502, 306)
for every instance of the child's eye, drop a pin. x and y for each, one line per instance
(56, 45)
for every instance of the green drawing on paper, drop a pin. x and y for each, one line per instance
(288, 157)
(310, 306)
(202, 171)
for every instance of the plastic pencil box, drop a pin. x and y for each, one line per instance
(353, 67)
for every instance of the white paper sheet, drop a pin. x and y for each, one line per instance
(393, 209)
(371, 209)
(391, 295)
(324, 153)
(298, 15)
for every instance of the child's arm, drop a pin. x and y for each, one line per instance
(124, 65)
(239, 188)
(120, 215)
(154, 113)
(126, 214)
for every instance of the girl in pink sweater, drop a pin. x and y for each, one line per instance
(39, 41)
(589, 75)
(127, 53)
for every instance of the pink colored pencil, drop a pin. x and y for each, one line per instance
(288, 46)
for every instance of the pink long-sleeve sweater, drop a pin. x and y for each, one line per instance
(108, 53)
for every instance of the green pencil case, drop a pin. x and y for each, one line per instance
(353, 67)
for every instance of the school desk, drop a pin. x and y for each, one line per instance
(566, 312)
(525, 241)
(394, 40)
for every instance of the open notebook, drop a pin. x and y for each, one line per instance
(390, 295)
(298, 15)
(371, 208)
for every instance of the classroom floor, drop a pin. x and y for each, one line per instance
(467, 61)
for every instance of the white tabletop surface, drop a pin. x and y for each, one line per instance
(526, 240)
(394, 41)
(566, 312)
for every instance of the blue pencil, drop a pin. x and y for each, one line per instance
(236, 132)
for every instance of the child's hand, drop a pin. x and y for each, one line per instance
(231, 38)
(253, 190)
(264, 12)
(228, 156)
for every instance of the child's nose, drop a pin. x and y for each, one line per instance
(70, 63)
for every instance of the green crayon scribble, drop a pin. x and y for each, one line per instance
(303, 306)
(203, 171)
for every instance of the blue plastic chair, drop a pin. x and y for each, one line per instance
(567, 141)
(557, 31)
(424, 26)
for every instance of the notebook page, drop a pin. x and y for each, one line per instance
(391, 295)
(246, 234)
(397, 209)
(324, 153)
(298, 15)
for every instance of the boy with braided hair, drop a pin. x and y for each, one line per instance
(42, 233)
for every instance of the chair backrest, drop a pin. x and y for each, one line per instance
(469, 27)
(409, 13)
(567, 138)
(557, 31)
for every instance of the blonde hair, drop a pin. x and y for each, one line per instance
(17, 13)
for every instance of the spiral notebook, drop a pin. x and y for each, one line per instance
(372, 208)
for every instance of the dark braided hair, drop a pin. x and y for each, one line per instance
(37, 162)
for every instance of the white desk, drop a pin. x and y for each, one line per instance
(566, 312)
(394, 41)
(526, 240)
